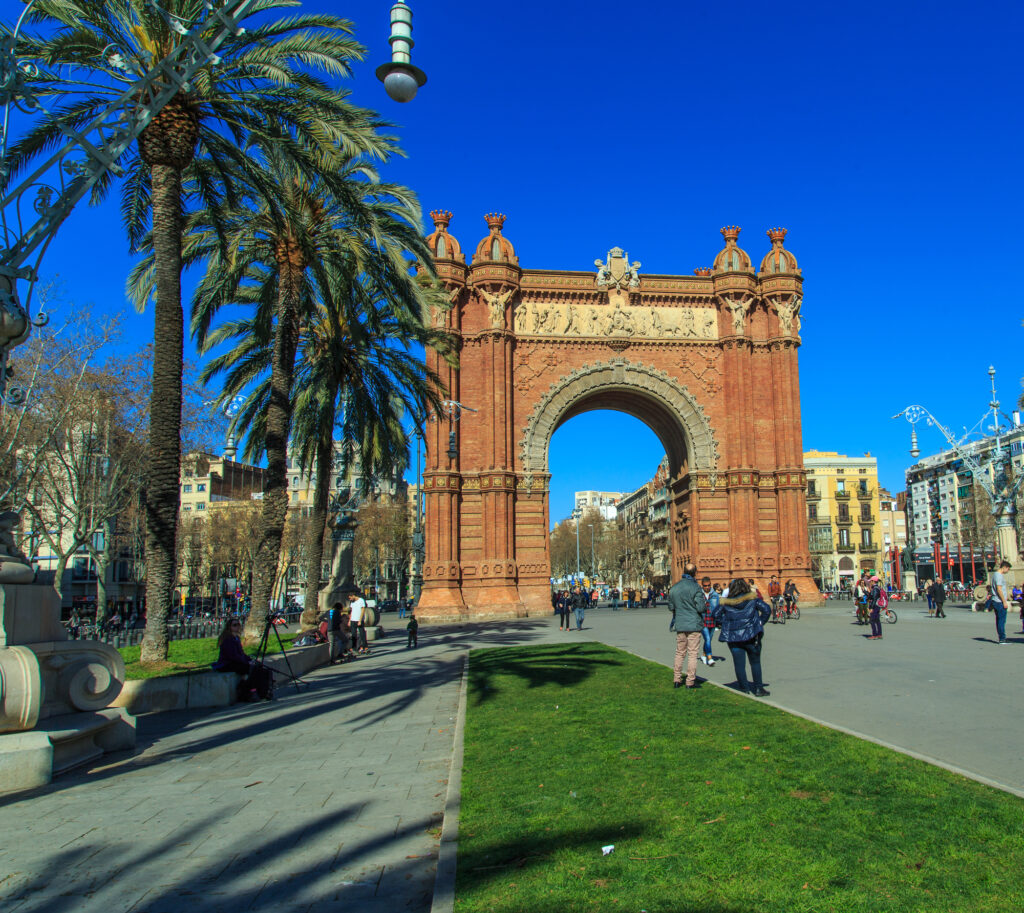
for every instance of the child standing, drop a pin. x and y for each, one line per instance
(412, 628)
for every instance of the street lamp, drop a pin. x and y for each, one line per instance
(401, 79)
(577, 548)
(593, 567)
(998, 488)
(453, 410)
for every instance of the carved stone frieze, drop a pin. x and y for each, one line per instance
(541, 318)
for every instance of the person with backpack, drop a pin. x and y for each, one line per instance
(938, 594)
(877, 600)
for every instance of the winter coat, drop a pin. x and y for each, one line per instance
(741, 618)
(686, 602)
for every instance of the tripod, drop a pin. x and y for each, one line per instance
(261, 650)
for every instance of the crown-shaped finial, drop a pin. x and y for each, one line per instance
(778, 235)
(731, 233)
(495, 220)
(441, 218)
(702, 271)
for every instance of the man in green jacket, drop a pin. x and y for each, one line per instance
(686, 602)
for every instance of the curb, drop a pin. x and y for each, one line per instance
(952, 768)
(444, 881)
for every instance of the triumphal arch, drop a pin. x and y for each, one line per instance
(708, 361)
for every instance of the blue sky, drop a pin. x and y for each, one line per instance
(885, 136)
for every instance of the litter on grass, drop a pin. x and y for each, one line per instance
(606, 850)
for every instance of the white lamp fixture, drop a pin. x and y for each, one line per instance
(401, 79)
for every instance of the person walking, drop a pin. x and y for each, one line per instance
(873, 610)
(928, 595)
(741, 616)
(562, 606)
(335, 633)
(686, 602)
(1000, 602)
(708, 630)
(938, 594)
(412, 629)
(579, 606)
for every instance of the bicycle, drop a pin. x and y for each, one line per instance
(793, 611)
(887, 615)
(778, 612)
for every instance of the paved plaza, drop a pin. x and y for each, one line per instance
(333, 798)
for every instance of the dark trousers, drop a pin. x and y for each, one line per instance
(938, 609)
(741, 652)
(1000, 611)
(563, 616)
(358, 634)
(876, 624)
(412, 639)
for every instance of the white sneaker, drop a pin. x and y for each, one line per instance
(710, 661)
(703, 659)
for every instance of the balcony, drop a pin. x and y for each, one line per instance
(865, 493)
(813, 494)
(843, 495)
(869, 549)
(866, 519)
(846, 549)
(844, 521)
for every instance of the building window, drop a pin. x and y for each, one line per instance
(295, 497)
(844, 537)
(201, 506)
(865, 511)
(840, 484)
(201, 486)
(863, 485)
(186, 489)
(844, 512)
(865, 538)
(812, 487)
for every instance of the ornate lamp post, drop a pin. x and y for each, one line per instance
(993, 474)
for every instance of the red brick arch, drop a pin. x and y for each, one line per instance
(708, 362)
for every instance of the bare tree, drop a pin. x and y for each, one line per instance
(383, 539)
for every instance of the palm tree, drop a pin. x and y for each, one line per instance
(279, 253)
(259, 85)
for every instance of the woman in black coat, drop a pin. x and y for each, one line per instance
(741, 617)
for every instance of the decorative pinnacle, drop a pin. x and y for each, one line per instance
(778, 235)
(441, 218)
(702, 271)
(495, 221)
(731, 233)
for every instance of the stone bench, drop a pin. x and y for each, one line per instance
(193, 690)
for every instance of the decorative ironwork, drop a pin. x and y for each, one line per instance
(56, 185)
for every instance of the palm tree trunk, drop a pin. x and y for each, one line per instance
(279, 412)
(162, 476)
(318, 519)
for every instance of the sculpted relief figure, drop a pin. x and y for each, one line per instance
(496, 304)
(789, 318)
(738, 309)
(709, 325)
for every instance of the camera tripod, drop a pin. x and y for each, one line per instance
(261, 650)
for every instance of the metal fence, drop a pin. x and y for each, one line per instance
(181, 630)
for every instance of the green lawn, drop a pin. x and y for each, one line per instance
(714, 802)
(184, 656)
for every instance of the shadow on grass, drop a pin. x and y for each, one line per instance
(557, 664)
(482, 862)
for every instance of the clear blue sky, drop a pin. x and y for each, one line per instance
(885, 136)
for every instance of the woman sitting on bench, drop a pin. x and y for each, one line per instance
(232, 657)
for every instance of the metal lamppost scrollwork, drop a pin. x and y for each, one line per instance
(88, 153)
(992, 474)
(453, 412)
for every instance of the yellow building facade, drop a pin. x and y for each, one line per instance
(843, 517)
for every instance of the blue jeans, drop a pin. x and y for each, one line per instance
(707, 640)
(1000, 611)
(741, 652)
(615, 604)
(579, 619)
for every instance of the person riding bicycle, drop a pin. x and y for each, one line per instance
(774, 591)
(790, 595)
